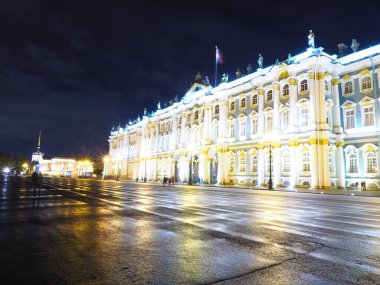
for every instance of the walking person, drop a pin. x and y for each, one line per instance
(40, 181)
(364, 186)
(35, 182)
(361, 185)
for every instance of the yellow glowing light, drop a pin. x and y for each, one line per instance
(106, 159)
(25, 165)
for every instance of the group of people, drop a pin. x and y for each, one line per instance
(363, 185)
(37, 180)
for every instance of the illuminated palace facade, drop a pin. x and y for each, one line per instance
(313, 118)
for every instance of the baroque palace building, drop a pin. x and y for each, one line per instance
(313, 118)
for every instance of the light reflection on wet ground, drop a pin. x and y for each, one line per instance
(108, 232)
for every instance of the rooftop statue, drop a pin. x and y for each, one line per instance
(277, 61)
(249, 68)
(290, 59)
(260, 61)
(207, 81)
(224, 78)
(145, 111)
(354, 45)
(175, 98)
(158, 105)
(310, 38)
(238, 73)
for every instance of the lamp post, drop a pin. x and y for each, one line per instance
(117, 173)
(145, 171)
(270, 183)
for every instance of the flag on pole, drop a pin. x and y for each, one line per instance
(218, 56)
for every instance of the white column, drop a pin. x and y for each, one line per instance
(223, 113)
(337, 118)
(183, 129)
(321, 118)
(183, 168)
(260, 166)
(221, 166)
(203, 166)
(340, 164)
(207, 125)
(173, 139)
(276, 152)
(294, 164)
(260, 93)
(313, 90)
(314, 171)
(276, 106)
(293, 112)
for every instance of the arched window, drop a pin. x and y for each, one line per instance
(269, 96)
(242, 103)
(352, 163)
(369, 116)
(254, 125)
(304, 86)
(254, 163)
(371, 162)
(242, 128)
(306, 162)
(285, 90)
(215, 132)
(216, 110)
(242, 162)
(331, 162)
(366, 83)
(285, 162)
(268, 121)
(232, 106)
(284, 119)
(254, 99)
(232, 129)
(348, 88)
(304, 117)
(231, 166)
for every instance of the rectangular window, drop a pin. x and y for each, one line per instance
(350, 119)
(254, 126)
(232, 130)
(231, 168)
(242, 163)
(268, 126)
(304, 117)
(242, 129)
(368, 116)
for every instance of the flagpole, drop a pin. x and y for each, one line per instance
(216, 65)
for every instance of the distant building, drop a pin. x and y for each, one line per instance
(61, 166)
(312, 120)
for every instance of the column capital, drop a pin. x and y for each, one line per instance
(339, 144)
(223, 103)
(292, 81)
(335, 81)
(276, 86)
(260, 91)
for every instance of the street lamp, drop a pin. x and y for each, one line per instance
(190, 148)
(145, 171)
(270, 183)
(106, 159)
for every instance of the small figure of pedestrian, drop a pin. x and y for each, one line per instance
(364, 186)
(357, 185)
(40, 181)
(361, 185)
(35, 182)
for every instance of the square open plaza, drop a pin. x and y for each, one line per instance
(311, 120)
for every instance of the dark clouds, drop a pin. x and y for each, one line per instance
(75, 68)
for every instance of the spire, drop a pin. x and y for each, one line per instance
(39, 142)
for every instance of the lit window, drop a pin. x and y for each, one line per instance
(254, 126)
(268, 122)
(304, 117)
(285, 90)
(232, 130)
(232, 106)
(285, 159)
(348, 89)
(242, 163)
(269, 96)
(231, 168)
(353, 163)
(304, 86)
(254, 99)
(254, 164)
(369, 119)
(284, 120)
(350, 119)
(371, 163)
(216, 110)
(242, 103)
(242, 129)
(306, 162)
(331, 162)
(366, 83)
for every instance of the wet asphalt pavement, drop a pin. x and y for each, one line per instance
(109, 232)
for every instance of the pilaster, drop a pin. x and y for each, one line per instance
(260, 93)
(293, 112)
(276, 106)
(337, 118)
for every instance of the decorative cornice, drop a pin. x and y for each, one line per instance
(364, 71)
(293, 143)
(312, 141)
(346, 77)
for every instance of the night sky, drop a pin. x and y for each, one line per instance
(74, 69)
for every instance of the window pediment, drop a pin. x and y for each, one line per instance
(348, 105)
